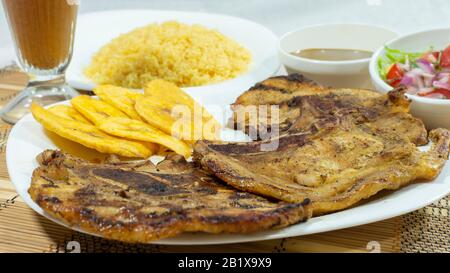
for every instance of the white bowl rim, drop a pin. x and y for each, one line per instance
(374, 71)
(361, 61)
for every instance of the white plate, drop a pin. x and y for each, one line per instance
(27, 139)
(97, 29)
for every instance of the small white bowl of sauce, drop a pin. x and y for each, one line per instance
(336, 55)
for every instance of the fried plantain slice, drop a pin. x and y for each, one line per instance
(138, 130)
(121, 98)
(161, 90)
(68, 112)
(95, 110)
(178, 121)
(159, 116)
(88, 135)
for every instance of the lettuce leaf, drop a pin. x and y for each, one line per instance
(393, 56)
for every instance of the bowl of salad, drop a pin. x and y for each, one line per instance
(419, 62)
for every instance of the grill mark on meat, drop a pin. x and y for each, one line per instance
(138, 181)
(232, 219)
(207, 190)
(162, 220)
(50, 199)
(88, 197)
(83, 172)
(263, 87)
(250, 148)
(295, 77)
(97, 202)
(369, 114)
(295, 102)
(51, 184)
(172, 179)
(218, 171)
(256, 147)
(86, 192)
(122, 194)
(216, 219)
(239, 195)
(91, 215)
(298, 140)
(306, 202)
(325, 104)
(243, 206)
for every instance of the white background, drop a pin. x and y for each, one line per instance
(284, 15)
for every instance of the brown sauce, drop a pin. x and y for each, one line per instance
(43, 30)
(331, 54)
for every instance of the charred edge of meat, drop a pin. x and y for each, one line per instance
(324, 103)
(47, 157)
(263, 87)
(297, 78)
(104, 224)
(398, 95)
(278, 213)
(47, 199)
(138, 181)
(281, 143)
(218, 170)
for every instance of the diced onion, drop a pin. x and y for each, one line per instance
(425, 66)
(441, 85)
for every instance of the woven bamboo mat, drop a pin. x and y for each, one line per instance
(23, 230)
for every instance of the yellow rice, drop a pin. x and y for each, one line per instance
(182, 54)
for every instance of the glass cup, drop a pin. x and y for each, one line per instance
(43, 32)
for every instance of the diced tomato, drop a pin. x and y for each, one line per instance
(445, 58)
(432, 57)
(443, 92)
(395, 75)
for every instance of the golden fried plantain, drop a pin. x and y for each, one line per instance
(178, 120)
(68, 112)
(95, 110)
(88, 135)
(159, 116)
(121, 98)
(161, 90)
(138, 130)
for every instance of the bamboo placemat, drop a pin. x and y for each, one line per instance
(23, 230)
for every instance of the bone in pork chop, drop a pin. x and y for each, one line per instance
(336, 146)
(140, 202)
(304, 107)
(335, 169)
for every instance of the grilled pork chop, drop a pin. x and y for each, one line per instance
(336, 146)
(141, 202)
(304, 107)
(335, 169)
